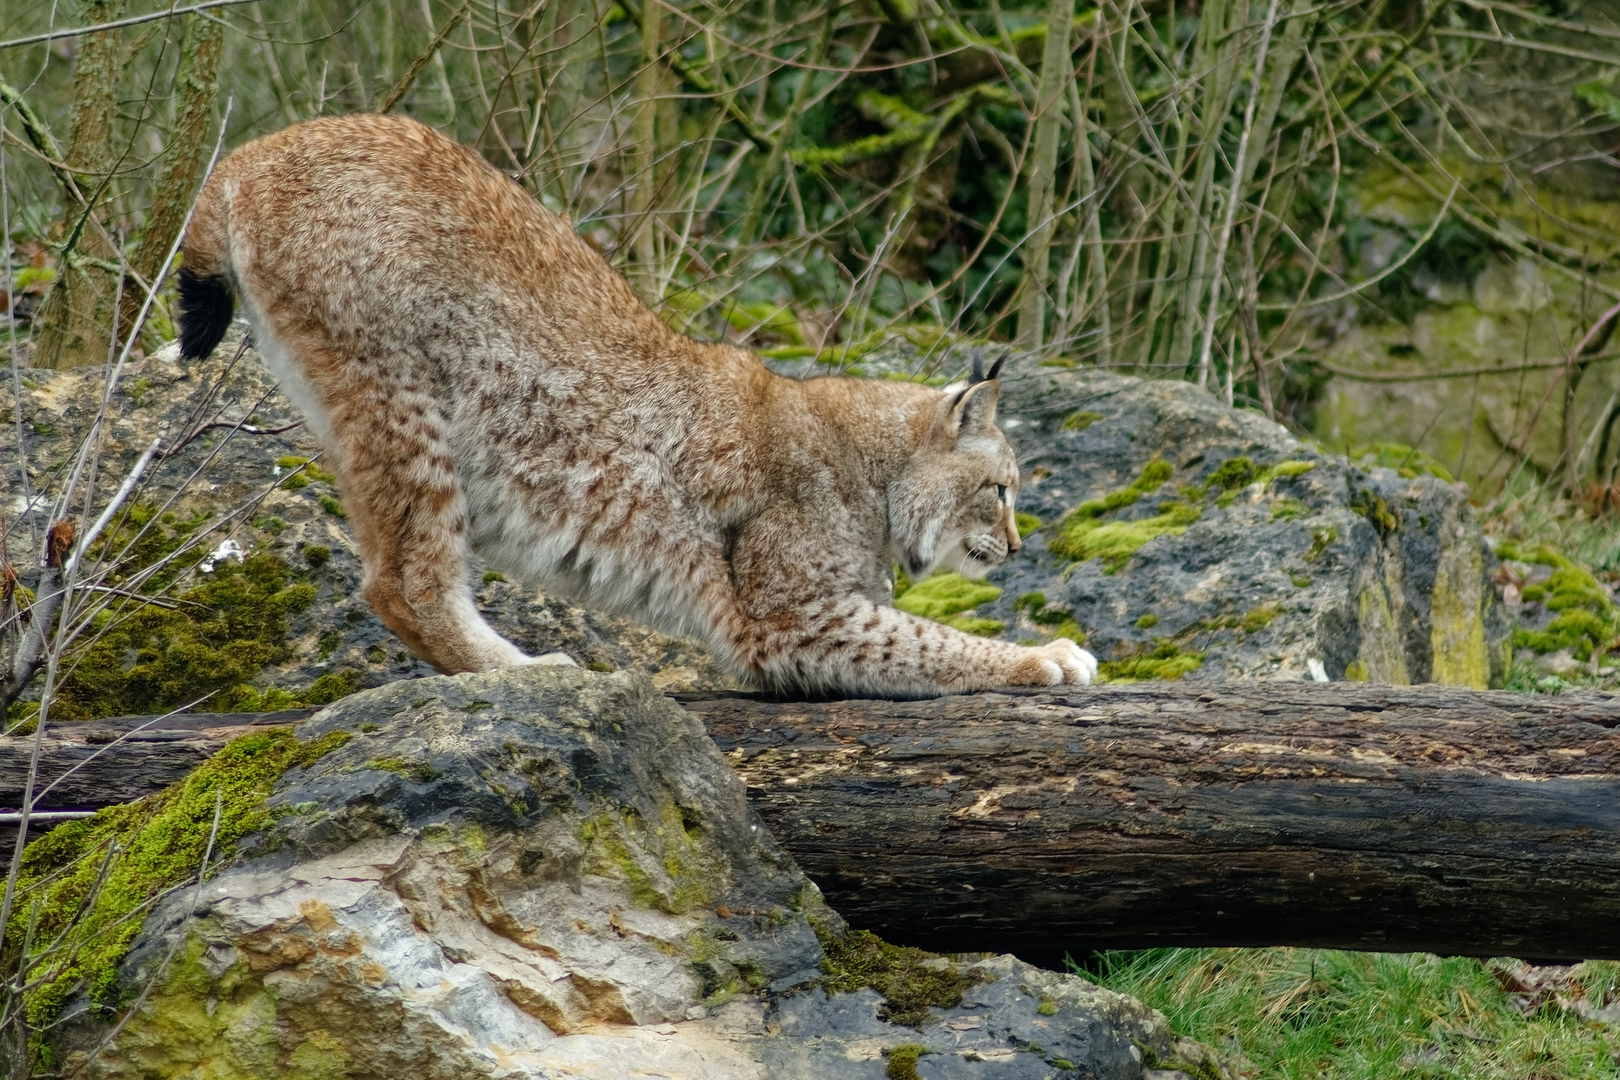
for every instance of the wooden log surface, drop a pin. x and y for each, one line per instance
(1341, 815)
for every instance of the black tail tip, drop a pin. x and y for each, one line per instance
(205, 312)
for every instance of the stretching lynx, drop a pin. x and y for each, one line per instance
(483, 380)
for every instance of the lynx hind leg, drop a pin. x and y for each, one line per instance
(408, 512)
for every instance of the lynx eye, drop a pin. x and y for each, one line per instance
(1001, 492)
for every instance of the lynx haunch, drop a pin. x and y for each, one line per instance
(484, 381)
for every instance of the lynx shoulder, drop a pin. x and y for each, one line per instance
(485, 382)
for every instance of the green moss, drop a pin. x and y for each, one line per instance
(1232, 474)
(146, 847)
(1321, 540)
(1300, 581)
(1375, 510)
(492, 576)
(417, 772)
(1059, 622)
(332, 506)
(944, 597)
(307, 468)
(1356, 671)
(1260, 617)
(911, 981)
(1533, 593)
(1233, 483)
(1079, 421)
(1083, 536)
(1587, 619)
(634, 849)
(211, 640)
(1575, 588)
(207, 637)
(902, 1061)
(979, 626)
(317, 555)
(1287, 510)
(1070, 629)
(1047, 1007)
(1147, 622)
(1405, 460)
(1027, 523)
(1116, 541)
(1166, 661)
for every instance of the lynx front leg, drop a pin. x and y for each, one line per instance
(854, 646)
(407, 508)
(801, 622)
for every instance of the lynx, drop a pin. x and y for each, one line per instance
(484, 382)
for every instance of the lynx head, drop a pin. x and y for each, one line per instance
(952, 507)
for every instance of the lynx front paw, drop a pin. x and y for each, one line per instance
(1056, 663)
(552, 659)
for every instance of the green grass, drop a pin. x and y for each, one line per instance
(1307, 1013)
(1538, 517)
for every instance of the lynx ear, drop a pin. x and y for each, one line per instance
(973, 410)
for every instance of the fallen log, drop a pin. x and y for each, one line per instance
(1342, 815)
(1346, 816)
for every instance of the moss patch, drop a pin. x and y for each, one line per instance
(1376, 511)
(205, 636)
(911, 981)
(1084, 535)
(1232, 476)
(1026, 523)
(902, 1061)
(1057, 621)
(1587, 619)
(303, 470)
(945, 597)
(1408, 461)
(1166, 661)
(1079, 421)
(156, 844)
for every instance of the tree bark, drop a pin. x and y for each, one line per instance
(76, 317)
(1343, 815)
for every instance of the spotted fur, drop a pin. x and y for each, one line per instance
(484, 381)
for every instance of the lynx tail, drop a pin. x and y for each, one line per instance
(205, 312)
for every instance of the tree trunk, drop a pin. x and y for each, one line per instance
(197, 84)
(1056, 72)
(76, 317)
(1342, 815)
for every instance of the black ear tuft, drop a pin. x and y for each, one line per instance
(978, 374)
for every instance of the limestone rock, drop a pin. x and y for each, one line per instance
(1369, 573)
(547, 872)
